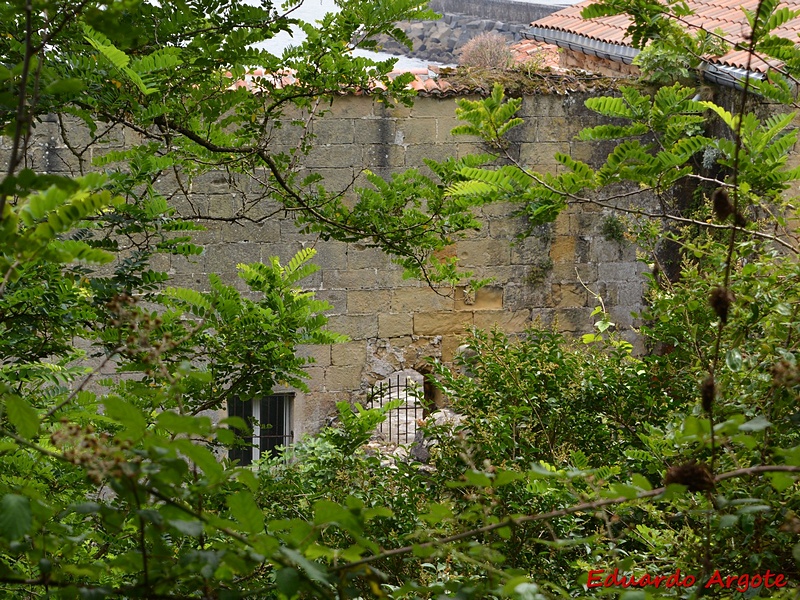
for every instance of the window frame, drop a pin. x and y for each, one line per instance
(274, 410)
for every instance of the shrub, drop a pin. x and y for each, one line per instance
(488, 50)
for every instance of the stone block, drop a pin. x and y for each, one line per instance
(360, 257)
(444, 127)
(557, 129)
(509, 322)
(336, 298)
(630, 293)
(606, 251)
(319, 354)
(415, 155)
(561, 226)
(392, 277)
(628, 271)
(245, 231)
(542, 105)
(522, 296)
(345, 379)
(367, 301)
(483, 253)
(500, 210)
(583, 249)
(530, 250)
(562, 249)
(284, 251)
(358, 327)
(331, 255)
(339, 178)
(221, 206)
(568, 295)
(217, 182)
(574, 320)
(349, 107)
(435, 107)
(223, 258)
(420, 299)
(569, 272)
(284, 133)
(349, 354)
(507, 229)
(325, 155)
(394, 325)
(540, 155)
(442, 323)
(382, 156)
(349, 280)
(375, 131)
(398, 111)
(465, 148)
(416, 131)
(316, 377)
(330, 129)
(486, 298)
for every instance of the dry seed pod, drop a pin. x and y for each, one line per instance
(721, 203)
(708, 392)
(721, 299)
(695, 476)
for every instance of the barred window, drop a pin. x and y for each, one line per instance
(270, 419)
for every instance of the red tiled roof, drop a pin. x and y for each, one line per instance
(543, 55)
(710, 15)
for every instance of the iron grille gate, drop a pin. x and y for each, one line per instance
(271, 421)
(400, 425)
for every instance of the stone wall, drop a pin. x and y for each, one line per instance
(547, 277)
(394, 322)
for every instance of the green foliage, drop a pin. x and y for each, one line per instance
(568, 455)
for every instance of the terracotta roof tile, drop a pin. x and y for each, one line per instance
(727, 15)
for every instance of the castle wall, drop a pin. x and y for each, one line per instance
(549, 276)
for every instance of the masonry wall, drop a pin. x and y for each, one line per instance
(548, 277)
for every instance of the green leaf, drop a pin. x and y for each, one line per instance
(131, 417)
(22, 416)
(15, 516)
(757, 424)
(190, 528)
(246, 512)
(733, 358)
(478, 479)
(640, 481)
(781, 481)
(288, 581)
(203, 458)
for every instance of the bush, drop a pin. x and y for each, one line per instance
(488, 50)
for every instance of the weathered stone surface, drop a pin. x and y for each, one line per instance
(358, 327)
(510, 322)
(349, 354)
(350, 280)
(321, 355)
(441, 323)
(344, 379)
(367, 301)
(486, 298)
(418, 299)
(562, 249)
(393, 325)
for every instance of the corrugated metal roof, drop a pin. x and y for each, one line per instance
(710, 15)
